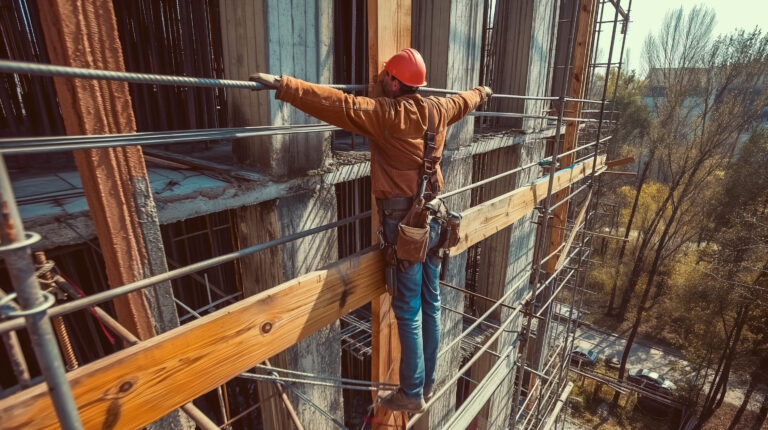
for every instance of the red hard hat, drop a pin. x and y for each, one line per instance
(408, 67)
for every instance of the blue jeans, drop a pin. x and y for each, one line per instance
(417, 310)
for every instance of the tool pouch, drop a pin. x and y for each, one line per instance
(453, 233)
(450, 224)
(412, 243)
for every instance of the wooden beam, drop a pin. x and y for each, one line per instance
(135, 386)
(585, 16)
(486, 219)
(139, 384)
(620, 162)
(389, 31)
(114, 180)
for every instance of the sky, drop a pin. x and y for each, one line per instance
(646, 15)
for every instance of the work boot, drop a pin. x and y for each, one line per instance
(398, 401)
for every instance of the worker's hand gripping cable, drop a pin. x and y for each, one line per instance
(269, 82)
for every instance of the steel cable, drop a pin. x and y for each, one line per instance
(42, 69)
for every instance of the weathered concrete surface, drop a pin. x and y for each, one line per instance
(448, 34)
(524, 34)
(320, 353)
(290, 37)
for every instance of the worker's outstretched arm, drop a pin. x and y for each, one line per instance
(463, 103)
(361, 115)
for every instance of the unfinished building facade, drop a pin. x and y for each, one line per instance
(206, 255)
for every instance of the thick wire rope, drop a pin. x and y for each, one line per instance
(329, 378)
(285, 379)
(42, 69)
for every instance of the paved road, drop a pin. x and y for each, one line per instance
(642, 355)
(665, 361)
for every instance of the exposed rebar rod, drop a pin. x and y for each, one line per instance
(485, 181)
(485, 346)
(17, 323)
(18, 261)
(309, 401)
(286, 379)
(286, 401)
(522, 115)
(481, 319)
(585, 146)
(40, 69)
(271, 368)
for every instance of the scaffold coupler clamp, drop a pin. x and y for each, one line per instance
(543, 211)
(8, 308)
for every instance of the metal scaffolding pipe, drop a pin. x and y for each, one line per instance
(521, 115)
(15, 353)
(34, 302)
(41, 69)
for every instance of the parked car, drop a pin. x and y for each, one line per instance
(562, 312)
(652, 380)
(583, 356)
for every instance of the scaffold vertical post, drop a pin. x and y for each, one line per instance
(34, 302)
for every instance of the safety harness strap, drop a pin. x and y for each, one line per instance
(429, 163)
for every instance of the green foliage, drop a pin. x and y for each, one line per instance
(651, 198)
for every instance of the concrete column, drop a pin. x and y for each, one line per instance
(448, 34)
(320, 353)
(522, 44)
(290, 37)
(523, 32)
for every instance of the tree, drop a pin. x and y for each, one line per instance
(738, 265)
(703, 102)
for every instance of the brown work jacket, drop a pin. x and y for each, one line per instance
(395, 128)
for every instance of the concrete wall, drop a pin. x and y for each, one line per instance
(320, 353)
(521, 44)
(291, 37)
(448, 34)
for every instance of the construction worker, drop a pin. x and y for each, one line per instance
(396, 125)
